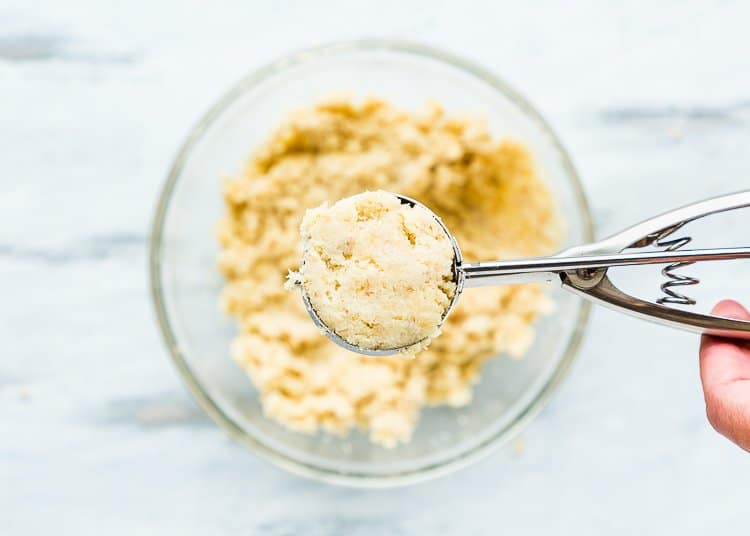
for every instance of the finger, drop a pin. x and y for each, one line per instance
(724, 360)
(725, 374)
(728, 411)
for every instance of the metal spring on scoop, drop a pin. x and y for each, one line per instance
(674, 279)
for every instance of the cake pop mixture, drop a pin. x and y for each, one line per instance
(486, 191)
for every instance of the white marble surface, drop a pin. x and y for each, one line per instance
(97, 434)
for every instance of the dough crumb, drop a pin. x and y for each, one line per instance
(378, 272)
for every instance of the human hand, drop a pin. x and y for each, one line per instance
(725, 374)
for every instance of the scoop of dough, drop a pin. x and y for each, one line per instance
(379, 273)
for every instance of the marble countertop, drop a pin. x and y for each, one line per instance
(97, 434)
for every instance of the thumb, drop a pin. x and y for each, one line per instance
(725, 375)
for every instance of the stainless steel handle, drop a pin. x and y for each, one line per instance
(583, 269)
(657, 231)
(647, 232)
(607, 294)
(547, 268)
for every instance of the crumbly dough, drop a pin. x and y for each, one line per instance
(487, 193)
(377, 272)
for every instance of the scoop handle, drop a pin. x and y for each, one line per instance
(583, 269)
(659, 231)
(607, 294)
(549, 268)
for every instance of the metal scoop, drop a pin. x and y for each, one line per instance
(583, 271)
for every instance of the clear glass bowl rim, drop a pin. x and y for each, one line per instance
(204, 399)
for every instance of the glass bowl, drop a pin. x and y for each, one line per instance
(186, 284)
